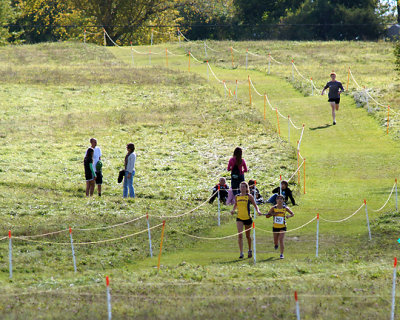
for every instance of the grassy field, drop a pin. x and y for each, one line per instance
(54, 97)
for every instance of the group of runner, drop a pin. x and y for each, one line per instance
(279, 211)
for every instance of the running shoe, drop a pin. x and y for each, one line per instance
(249, 254)
(241, 256)
(276, 247)
(281, 256)
(334, 122)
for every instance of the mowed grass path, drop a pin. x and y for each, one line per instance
(345, 164)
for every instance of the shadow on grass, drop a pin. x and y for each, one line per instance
(270, 259)
(321, 127)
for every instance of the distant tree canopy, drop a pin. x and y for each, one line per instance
(7, 16)
(130, 20)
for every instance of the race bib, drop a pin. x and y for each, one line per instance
(279, 220)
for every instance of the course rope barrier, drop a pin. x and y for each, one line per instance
(90, 242)
(212, 72)
(190, 211)
(212, 238)
(291, 230)
(341, 220)
(390, 195)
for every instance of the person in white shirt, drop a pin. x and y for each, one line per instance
(130, 160)
(96, 158)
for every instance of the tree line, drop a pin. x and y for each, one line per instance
(32, 21)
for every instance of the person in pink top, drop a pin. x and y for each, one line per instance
(237, 167)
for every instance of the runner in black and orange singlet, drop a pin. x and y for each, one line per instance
(242, 203)
(279, 228)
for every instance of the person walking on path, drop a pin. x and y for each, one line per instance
(238, 167)
(130, 160)
(279, 227)
(90, 175)
(242, 203)
(335, 89)
(97, 164)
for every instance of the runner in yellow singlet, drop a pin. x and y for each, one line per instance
(279, 227)
(242, 203)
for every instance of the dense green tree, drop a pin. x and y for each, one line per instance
(7, 16)
(122, 19)
(334, 19)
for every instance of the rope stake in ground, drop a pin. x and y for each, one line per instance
(10, 253)
(317, 240)
(254, 241)
(161, 243)
(219, 206)
(393, 289)
(366, 214)
(73, 250)
(108, 298)
(148, 229)
(297, 306)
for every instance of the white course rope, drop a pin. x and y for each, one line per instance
(105, 32)
(384, 205)
(337, 221)
(290, 229)
(296, 171)
(358, 86)
(212, 48)
(274, 60)
(109, 227)
(215, 238)
(91, 242)
(216, 78)
(179, 31)
(44, 234)
(197, 60)
(190, 211)
(175, 54)
(297, 70)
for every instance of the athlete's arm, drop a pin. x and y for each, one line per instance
(251, 198)
(290, 211)
(234, 207)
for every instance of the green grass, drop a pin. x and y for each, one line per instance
(185, 131)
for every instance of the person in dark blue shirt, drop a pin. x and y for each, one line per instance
(335, 89)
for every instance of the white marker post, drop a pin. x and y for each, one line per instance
(317, 242)
(396, 194)
(151, 37)
(148, 229)
(280, 184)
(84, 36)
(236, 91)
(205, 49)
(224, 88)
(247, 53)
(269, 62)
(208, 72)
(104, 40)
(292, 70)
(366, 213)
(133, 61)
(254, 195)
(254, 243)
(108, 298)
(312, 87)
(10, 252)
(297, 306)
(219, 206)
(393, 289)
(72, 247)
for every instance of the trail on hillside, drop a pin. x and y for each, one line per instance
(345, 164)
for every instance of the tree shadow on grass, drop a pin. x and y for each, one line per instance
(321, 127)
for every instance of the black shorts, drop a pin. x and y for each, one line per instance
(245, 222)
(278, 229)
(337, 101)
(99, 178)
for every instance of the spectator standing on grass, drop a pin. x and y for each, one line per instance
(237, 167)
(130, 160)
(335, 89)
(90, 175)
(97, 164)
